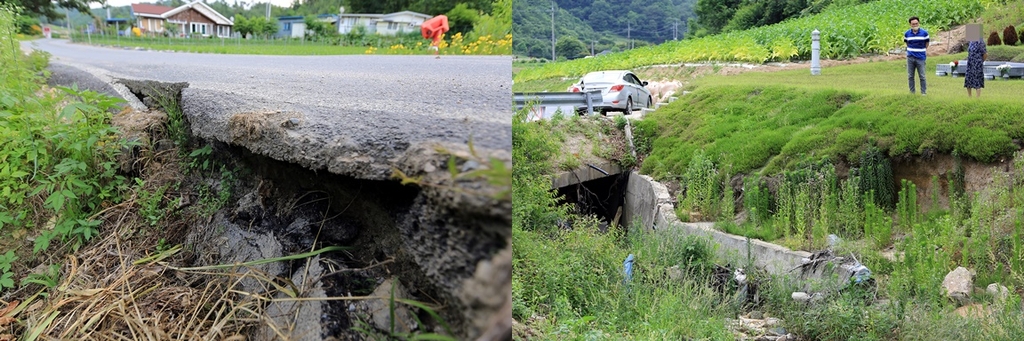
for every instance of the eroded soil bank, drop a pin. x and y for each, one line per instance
(442, 241)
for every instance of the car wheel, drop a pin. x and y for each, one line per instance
(629, 106)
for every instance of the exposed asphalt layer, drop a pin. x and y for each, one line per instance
(356, 115)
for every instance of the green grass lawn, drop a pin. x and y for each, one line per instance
(786, 117)
(877, 78)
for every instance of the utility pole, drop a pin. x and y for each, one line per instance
(67, 14)
(268, 9)
(553, 30)
(629, 25)
(592, 43)
(675, 29)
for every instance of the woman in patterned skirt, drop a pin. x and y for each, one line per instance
(975, 77)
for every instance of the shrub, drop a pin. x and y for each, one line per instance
(993, 39)
(1010, 35)
(876, 176)
(1004, 53)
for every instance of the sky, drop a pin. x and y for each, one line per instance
(119, 3)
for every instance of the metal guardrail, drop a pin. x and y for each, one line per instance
(551, 101)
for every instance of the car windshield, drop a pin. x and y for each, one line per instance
(601, 77)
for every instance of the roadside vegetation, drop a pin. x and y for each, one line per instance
(480, 34)
(95, 203)
(568, 282)
(791, 159)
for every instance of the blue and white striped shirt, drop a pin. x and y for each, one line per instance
(917, 43)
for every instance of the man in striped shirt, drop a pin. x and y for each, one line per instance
(917, 50)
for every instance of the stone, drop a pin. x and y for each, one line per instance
(817, 297)
(772, 322)
(958, 285)
(380, 312)
(801, 296)
(675, 273)
(298, 320)
(973, 311)
(998, 292)
(756, 315)
(777, 331)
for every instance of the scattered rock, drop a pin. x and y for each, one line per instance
(298, 320)
(958, 285)
(768, 329)
(675, 273)
(488, 295)
(973, 310)
(998, 292)
(380, 312)
(756, 315)
(801, 296)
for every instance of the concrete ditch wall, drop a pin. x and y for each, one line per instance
(649, 204)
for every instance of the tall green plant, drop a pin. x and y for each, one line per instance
(702, 186)
(877, 224)
(876, 176)
(907, 205)
(757, 199)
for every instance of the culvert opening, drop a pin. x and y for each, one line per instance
(602, 197)
(303, 210)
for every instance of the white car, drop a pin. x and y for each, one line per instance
(621, 90)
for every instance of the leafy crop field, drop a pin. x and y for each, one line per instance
(874, 27)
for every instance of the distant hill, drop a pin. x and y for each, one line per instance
(602, 23)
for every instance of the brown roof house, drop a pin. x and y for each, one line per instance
(191, 19)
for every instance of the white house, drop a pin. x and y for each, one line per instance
(385, 24)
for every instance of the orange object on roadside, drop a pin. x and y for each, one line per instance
(434, 28)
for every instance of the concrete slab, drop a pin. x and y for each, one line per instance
(585, 173)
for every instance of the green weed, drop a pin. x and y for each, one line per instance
(702, 188)
(48, 279)
(5, 269)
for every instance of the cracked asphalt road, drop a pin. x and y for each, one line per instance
(359, 113)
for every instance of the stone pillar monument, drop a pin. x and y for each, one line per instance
(815, 53)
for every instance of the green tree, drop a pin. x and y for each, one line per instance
(243, 25)
(570, 47)
(461, 19)
(497, 24)
(601, 11)
(713, 15)
(49, 8)
(318, 27)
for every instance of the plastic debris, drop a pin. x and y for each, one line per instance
(833, 241)
(861, 273)
(627, 268)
